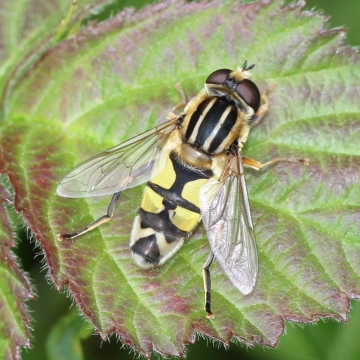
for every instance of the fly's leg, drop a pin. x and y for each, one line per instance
(263, 109)
(172, 114)
(207, 285)
(103, 219)
(257, 165)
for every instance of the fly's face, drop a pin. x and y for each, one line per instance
(235, 87)
(194, 171)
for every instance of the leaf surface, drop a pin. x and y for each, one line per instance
(14, 288)
(115, 79)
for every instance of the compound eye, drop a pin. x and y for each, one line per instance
(218, 77)
(250, 93)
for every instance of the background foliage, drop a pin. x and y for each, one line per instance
(49, 341)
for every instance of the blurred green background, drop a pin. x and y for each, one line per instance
(61, 334)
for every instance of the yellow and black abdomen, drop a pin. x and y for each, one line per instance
(169, 211)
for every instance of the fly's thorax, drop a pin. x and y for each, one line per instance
(212, 125)
(189, 154)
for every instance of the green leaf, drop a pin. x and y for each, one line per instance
(115, 79)
(64, 341)
(14, 288)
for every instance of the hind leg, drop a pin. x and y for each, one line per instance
(103, 219)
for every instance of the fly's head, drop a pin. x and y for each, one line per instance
(235, 86)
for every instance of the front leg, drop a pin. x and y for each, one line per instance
(263, 109)
(172, 114)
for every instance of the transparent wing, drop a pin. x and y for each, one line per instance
(226, 217)
(123, 166)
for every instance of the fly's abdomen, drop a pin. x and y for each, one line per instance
(169, 211)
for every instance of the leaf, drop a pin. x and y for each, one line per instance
(14, 289)
(23, 38)
(64, 341)
(115, 79)
(28, 29)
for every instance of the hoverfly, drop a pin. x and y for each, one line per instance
(194, 171)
